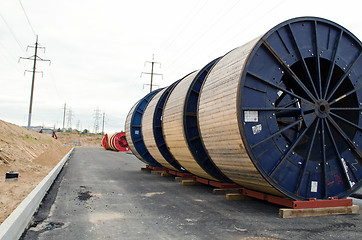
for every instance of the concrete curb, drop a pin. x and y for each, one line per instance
(14, 226)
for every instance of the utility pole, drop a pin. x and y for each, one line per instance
(34, 59)
(65, 107)
(103, 124)
(70, 117)
(96, 120)
(151, 73)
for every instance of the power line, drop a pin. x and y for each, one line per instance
(12, 33)
(181, 29)
(258, 20)
(201, 34)
(230, 26)
(27, 18)
(234, 36)
(9, 59)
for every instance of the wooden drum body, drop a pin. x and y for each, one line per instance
(153, 132)
(282, 114)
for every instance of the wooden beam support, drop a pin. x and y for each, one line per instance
(222, 191)
(309, 212)
(179, 179)
(157, 172)
(236, 197)
(165, 174)
(190, 182)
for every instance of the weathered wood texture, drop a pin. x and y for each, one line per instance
(148, 134)
(173, 128)
(190, 182)
(309, 212)
(180, 179)
(128, 134)
(218, 121)
(236, 197)
(221, 191)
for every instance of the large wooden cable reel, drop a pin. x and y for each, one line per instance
(291, 100)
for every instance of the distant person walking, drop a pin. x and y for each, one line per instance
(54, 135)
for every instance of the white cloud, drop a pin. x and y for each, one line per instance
(98, 48)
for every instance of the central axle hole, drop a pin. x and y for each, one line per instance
(322, 108)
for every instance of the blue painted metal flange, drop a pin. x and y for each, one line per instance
(302, 85)
(136, 129)
(192, 132)
(157, 128)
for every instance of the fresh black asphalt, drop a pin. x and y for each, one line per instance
(104, 195)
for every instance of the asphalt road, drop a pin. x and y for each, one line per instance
(104, 195)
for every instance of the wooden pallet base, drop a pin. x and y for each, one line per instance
(165, 174)
(157, 172)
(190, 182)
(233, 192)
(179, 179)
(310, 212)
(224, 191)
(236, 197)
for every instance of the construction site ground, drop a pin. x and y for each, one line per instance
(104, 195)
(33, 155)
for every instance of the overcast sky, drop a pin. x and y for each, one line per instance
(98, 49)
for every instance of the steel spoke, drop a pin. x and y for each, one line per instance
(338, 155)
(318, 62)
(290, 150)
(290, 71)
(295, 101)
(341, 80)
(345, 137)
(331, 67)
(284, 122)
(345, 95)
(346, 121)
(345, 109)
(302, 173)
(269, 109)
(276, 86)
(277, 133)
(324, 158)
(289, 113)
(305, 67)
(280, 98)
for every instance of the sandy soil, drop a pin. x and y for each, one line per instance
(33, 155)
(74, 138)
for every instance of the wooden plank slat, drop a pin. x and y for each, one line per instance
(236, 197)
(173, 128)
(309, 212)
(219, 125)
(148, 133)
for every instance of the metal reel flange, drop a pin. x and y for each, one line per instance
(157, 129)
(300, 103)
(191, 130)
(136, 130)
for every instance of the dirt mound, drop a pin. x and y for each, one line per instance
(31, 154)
(80, 139)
